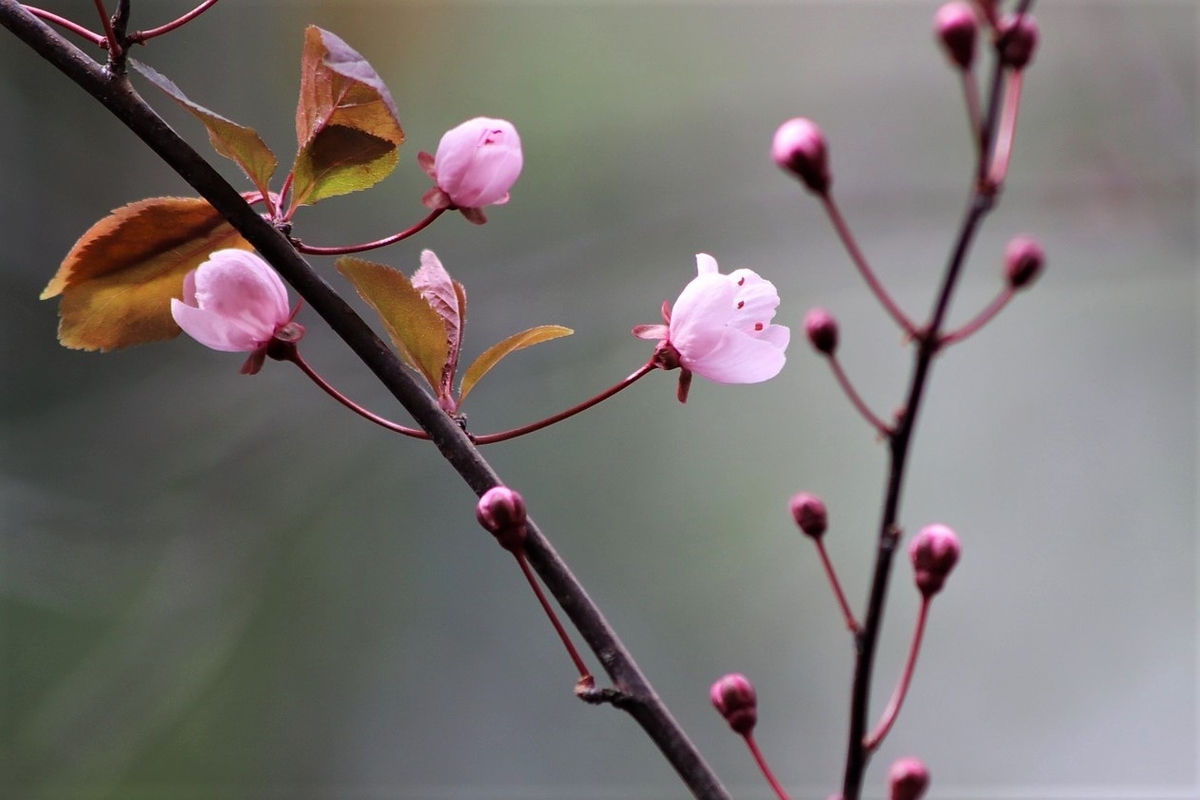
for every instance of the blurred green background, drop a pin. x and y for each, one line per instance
(216, 586)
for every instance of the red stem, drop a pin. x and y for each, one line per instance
(114, 47)
(295, 357)
(843, 381)
(492, 438)
(830, 573)
(981, 319)
(145, 36)
(1007, 129)
(898, 694)
(585, 677)
(360, 248)
(763, 768)
(73, 27)
(864, 269)
(971, 97)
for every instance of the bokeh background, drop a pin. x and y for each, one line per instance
(216, 586)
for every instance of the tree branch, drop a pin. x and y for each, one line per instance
(118, 96)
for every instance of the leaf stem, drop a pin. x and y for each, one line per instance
(293, 355)
(890, 713)
(585, 677)
(492, 438)
(776, 787)
(860, 261)
(831, 574)
(145, 36)
(344, 250)
(67, 24)
(856, 400)
(982, 318)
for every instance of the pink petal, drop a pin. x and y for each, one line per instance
(738, 358)
(234, 301)
(478, 162)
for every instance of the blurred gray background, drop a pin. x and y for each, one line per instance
(216, 586)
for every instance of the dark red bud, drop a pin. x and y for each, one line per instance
(934, 551)
(1018, 39)
(501, 511)
(735, 699)
(907, 779)
(822, 330)
(956, 28)
(809, 513)
(1023, 260)
(799, 148)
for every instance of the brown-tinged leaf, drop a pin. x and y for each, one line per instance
(414, 327)
(118, 280)
(236, 142)
(448, 299)
(518, 341)
(340, 160)
(347, 128)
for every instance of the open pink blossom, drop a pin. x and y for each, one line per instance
(233, 302)
(475, 166)
(720, 328)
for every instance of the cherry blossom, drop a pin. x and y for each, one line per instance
(475, 166)
(233, 302)
(720, 328)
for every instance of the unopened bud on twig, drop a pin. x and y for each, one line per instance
(809, 513)
(501, 511)
(822, 330)
(1023, 259)
(1018, 40)
(734, 698)
(934, 552)
(907, 779)
(956, 28)
(799, 148)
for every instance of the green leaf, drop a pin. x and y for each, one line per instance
(414, 327)
(236, 142)
(347, 128)
(518, 341)
(118, 280)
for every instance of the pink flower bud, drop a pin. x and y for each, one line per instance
(799, 148)
(735, 699)
(1023, 260)
(1018, 40)
(907, 779)
(501, 511)
(822, 330)
(934, 552)
(233, 302)
(720, 327)
(956, 27)
(809, 513)
(475, 166)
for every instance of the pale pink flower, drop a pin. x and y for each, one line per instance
(233, 302)
(720, 328)
(475, 166)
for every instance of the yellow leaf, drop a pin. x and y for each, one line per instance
(518, 341)
(118, 280)
(413, 326)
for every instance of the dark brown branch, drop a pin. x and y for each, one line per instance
(928, 344)
(119, 97)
